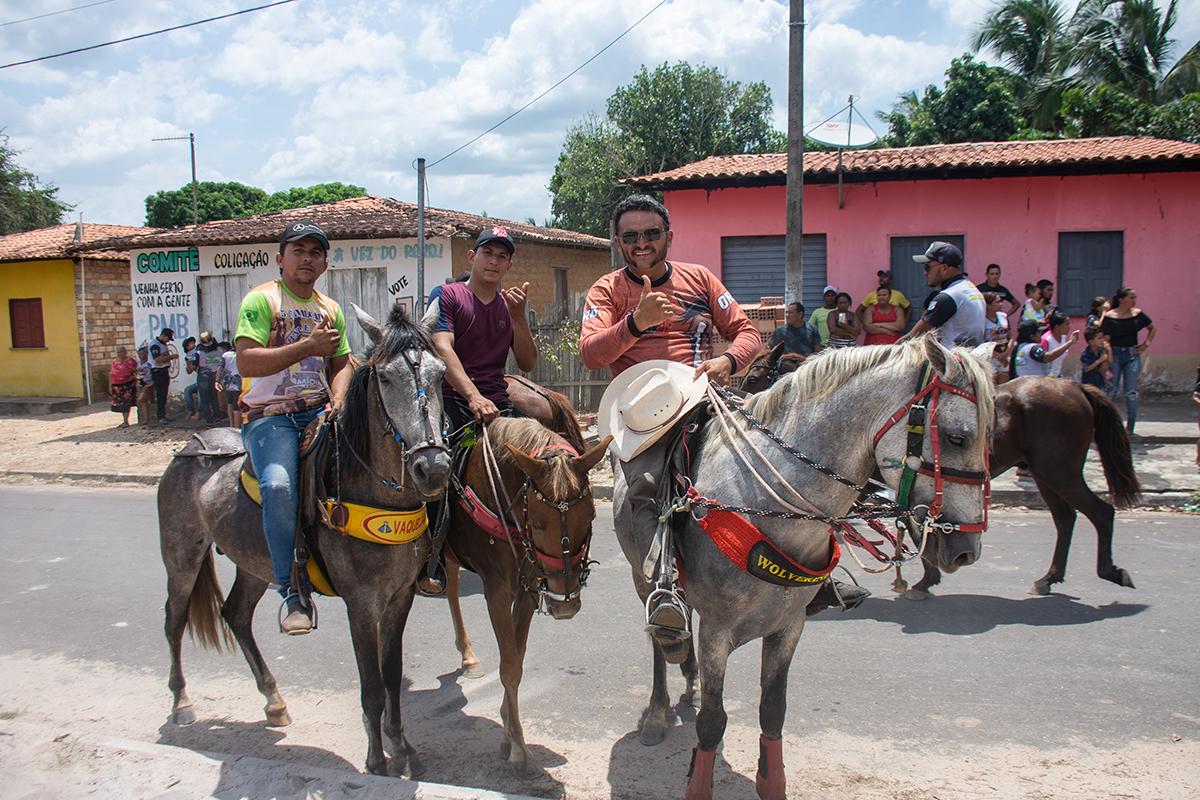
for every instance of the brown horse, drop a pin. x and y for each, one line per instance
(1046, 425)
(528, 540)
(550, 408)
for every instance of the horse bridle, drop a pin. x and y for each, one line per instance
(538, 560)
(429, 442)
(925, 401)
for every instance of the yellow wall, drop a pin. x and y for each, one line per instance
(55, 370)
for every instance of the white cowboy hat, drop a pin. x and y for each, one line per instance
(644, 402)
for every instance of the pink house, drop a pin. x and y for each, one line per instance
(1091, 215)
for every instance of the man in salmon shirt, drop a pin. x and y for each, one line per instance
(659, 309)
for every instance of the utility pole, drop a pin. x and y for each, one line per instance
(794, 249)
(191, 139)
(419, 302)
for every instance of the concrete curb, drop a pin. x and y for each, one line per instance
(55, 477)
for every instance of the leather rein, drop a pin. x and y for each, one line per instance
(574, 567)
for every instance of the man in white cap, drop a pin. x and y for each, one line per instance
(660, 312)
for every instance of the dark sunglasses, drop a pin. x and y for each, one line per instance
(930, 264)
(650, 235)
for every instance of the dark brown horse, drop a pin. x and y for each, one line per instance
(533, 552)
(1046, 425)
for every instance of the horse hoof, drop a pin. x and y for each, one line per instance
(651, 735)
(916, 594)
(1040, 588)
(473, 671)
(1126, 580)
(278, 718)
(183, 716)
(379, 768)
(416, 767)
(523, 767)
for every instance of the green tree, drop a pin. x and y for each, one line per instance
(25, 202)
(976, 104)
(1108, 111)
(172, 208)
(661, 119)
(585, 185)
(318, 194)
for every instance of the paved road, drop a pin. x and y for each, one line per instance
(983, 661)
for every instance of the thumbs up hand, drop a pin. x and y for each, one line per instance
(515, 298)
(323, 340)
(653, 307)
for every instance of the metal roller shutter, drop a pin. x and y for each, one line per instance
(755, 266)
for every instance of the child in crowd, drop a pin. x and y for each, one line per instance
(145, 384)
(1053, 338)
(1095, 360)
(997, 330)
(1034, 307)
(231, 384)
(1030, 357)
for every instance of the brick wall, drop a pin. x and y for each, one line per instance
(537, 264)
(109, 317)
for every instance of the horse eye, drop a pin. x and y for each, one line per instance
(956, 439)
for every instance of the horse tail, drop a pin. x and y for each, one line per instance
(204, 619)
(1113, 444)
(565, 423)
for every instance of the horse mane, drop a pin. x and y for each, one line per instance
(528, 435)
(398, 335)
(823, 374)
(562, 413)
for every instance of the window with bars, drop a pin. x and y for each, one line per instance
(25, 317)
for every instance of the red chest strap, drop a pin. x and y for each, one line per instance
(751, 551)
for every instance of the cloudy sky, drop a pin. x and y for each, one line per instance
(329, 90)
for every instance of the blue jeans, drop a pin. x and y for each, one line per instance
(191, 393)
(274, 447)
(1126, 370)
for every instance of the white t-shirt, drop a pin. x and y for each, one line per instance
(1050, 342)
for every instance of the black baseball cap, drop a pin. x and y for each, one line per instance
(496, 233)
(303, 229)
(943, 252)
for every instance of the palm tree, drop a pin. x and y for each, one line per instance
(1124, 43)
(1030, 37)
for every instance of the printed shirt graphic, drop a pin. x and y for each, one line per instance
(702, 302)
(274, 317)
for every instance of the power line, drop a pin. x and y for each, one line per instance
(560, 82)
(144, 35)
(56, 13)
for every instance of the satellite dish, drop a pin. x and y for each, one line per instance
(842, 133)
(838, 131)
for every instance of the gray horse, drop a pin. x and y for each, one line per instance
(389, 454)
(832, 410)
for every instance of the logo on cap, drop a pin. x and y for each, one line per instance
(499, 230)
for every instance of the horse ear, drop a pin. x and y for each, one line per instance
(774, 354)
(533, 467)
(584, 463)
(984, 351)
(936, 354)
(367, 323)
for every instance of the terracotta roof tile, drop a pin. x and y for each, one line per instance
(357, 218)
(971, 156)
(57, 242)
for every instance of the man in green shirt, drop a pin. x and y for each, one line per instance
(819, 319)
(292, 346)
